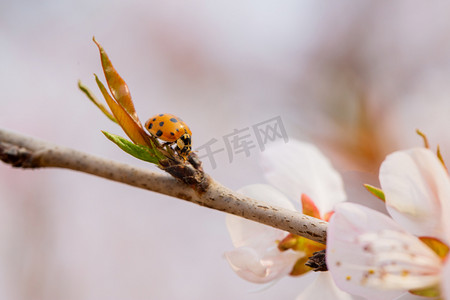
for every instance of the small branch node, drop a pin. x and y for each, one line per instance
(16, 156)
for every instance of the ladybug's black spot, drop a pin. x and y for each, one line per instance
(161, 115)
(158, 133)
(172, 133)
(161, 124)
(150, 126)
(154, 119)
(178, 130)
(174, 120)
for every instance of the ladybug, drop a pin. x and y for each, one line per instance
(170, 129)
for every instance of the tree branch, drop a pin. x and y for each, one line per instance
(27, 152)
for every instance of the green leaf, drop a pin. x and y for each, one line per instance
(158, 153)
(138, 151)
(94, 100)
(375, 191)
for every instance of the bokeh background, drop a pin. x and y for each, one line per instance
(357, 78)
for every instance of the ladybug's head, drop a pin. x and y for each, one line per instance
(184, 145)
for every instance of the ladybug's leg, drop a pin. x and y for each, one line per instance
(177, 149)
(168, 147)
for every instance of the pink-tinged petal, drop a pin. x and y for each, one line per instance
(254, 267)
(323, 288)
(244, 232)
(268, 194)
(257, 257)
(370, 255)
(299, 168)
(417, 187)
(445, 281)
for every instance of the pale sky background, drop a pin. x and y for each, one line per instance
(355, 77)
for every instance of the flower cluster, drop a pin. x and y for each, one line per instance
(369, 254)
(385, 257)
(263, 254)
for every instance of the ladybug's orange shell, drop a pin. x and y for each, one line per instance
(167, 127)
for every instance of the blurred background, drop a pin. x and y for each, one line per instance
(356, 78)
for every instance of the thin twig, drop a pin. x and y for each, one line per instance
(27, 152)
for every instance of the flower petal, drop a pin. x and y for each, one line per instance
(445, 282)
(252, 266)
(244, 232)
(257, 257)
(299, 168)
(368, 254)
(416, 186)
(323, 288)
(268, 194)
